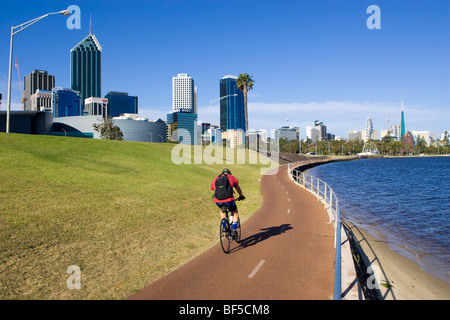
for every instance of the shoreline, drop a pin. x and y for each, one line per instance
(399, 277)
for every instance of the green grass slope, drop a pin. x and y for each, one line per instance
(121, 211)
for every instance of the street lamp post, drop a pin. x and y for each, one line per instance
(14, 31)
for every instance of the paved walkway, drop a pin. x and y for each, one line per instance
(286, 252)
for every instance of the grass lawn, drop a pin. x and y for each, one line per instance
(121, 211)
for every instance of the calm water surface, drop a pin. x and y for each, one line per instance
(406, 199)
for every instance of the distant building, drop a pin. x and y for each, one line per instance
(312, 133)
(232, 109)
(424, 135)
(396, 132)
(133, 128)
(355, 135)
(216, 134)
(86, 68)
(41, 100)
(36, 80)
(234, 138)
(120, 103)
(289, 133)
(322, 130)
(27, 122)
(95, 106)
(183, 95)
(183, 126)
(330, 136)
(66, 102)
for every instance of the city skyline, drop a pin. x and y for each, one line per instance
(331, 65)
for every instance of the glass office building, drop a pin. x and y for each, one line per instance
(66, 103)
(120, 103)
(86, 68)
(186, 123)
(232, 112)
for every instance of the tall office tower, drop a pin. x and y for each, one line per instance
(368, 133)
(120, 103)
(183, 93)
(232, 112)
(402, 125)
(36, 80)
(86, 68)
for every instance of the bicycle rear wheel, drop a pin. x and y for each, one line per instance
(225, 236)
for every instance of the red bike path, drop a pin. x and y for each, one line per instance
(286, 253)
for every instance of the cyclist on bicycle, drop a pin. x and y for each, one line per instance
(223, 186)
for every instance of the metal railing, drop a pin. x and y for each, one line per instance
(326, 195)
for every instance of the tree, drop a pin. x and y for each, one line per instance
(245, 83)
(108, 130)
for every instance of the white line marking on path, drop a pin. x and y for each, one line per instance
(252, 274)
(289, 211)
(289, 200)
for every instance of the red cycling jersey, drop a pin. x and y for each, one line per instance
(233, 182)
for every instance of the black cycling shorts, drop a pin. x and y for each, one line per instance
(230, 205)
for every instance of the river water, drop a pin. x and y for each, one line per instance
(405, 199)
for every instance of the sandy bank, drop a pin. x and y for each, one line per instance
(399, 278)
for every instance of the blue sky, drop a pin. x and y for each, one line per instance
(311, 60)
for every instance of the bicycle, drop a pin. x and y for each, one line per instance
(225, 234)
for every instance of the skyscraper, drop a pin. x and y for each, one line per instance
(36, 80)
(86, 68)
(183, 95)
(232, 111)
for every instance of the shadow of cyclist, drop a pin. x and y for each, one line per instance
(265, 234)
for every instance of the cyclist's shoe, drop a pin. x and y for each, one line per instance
(234, 234)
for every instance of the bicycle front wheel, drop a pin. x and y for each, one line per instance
(239, 231)
(225, 236)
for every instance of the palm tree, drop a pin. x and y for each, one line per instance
(245, 83)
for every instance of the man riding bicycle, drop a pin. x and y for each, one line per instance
(223, 186)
